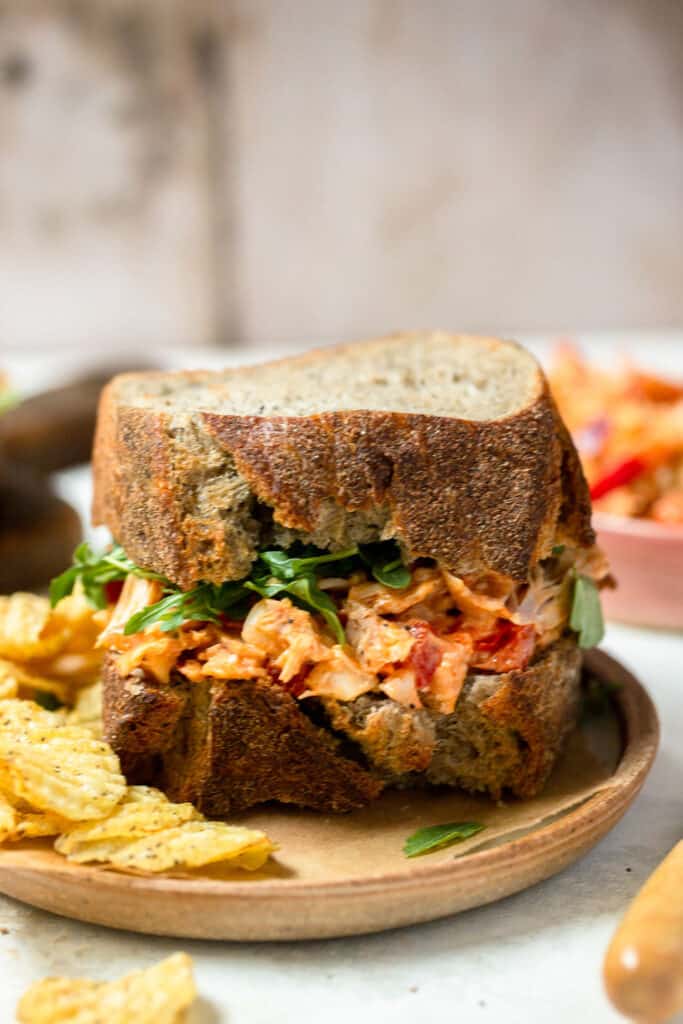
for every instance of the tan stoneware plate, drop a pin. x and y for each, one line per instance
(347, 875)
(647, 560)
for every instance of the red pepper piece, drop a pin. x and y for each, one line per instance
(112, 591)
(618, 477)
(425, 654)
(508, 647)
(296, 685)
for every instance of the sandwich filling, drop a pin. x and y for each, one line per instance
(321, 624)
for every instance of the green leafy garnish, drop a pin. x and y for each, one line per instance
(286, 567)
(94, 572)
(296, 576)
(204, 603)
(275, 574)
(557, 550)
(435, 837)
(385, 564)
(306, 593)
(586, 614)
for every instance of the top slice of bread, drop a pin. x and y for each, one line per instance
(450, 444)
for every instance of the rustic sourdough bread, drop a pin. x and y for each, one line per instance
(449, 444)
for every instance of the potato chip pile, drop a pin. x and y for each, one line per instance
(47, 650)
(58, 779)
(158, 995)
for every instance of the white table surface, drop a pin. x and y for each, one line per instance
(534, 957)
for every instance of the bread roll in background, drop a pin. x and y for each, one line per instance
(38, 531)
(39, 435)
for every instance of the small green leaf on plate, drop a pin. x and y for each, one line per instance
(435, 837)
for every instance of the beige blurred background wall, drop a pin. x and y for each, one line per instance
(187, 171)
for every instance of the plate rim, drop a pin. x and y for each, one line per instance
(640, 729)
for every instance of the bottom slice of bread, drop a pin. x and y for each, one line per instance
(229, 745)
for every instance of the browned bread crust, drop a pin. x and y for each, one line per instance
(192, 495)
(229, 745)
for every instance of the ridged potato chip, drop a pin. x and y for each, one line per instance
(33, 825)
(80, 623)
(16, 823)
(8, 819)
(142, 811)
(17, 677)
(87, 710)
(56, 768)
(8, 683)
(190, 845)
(21, 716)
(27, 628)
(73, 668)
(158, 995)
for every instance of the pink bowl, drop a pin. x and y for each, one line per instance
(647, 561)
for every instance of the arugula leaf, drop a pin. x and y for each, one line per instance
(382, 558)
(276, 574)
(310, 594)
(307, 593)
(435, 837)
(95, 571)
(204, 603)
(385, 564)
(586, 614)
(286, 567)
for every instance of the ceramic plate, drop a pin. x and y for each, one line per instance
(347, 874)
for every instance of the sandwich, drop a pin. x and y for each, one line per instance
(368, 566)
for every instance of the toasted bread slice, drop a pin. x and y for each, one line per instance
(227, 746)
(450, 444)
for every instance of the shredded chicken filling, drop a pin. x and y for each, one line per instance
(416, 645)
